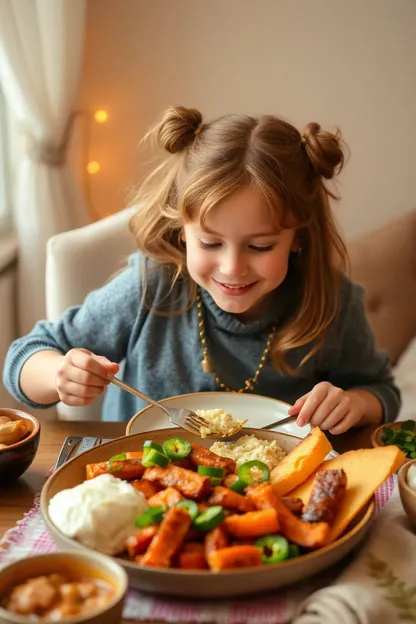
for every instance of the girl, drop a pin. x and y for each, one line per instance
(238, 286)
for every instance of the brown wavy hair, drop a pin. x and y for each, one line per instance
(209, 161)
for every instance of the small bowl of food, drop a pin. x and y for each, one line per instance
(19, 441)
(401, 433)
(407, 489)
(63, 587)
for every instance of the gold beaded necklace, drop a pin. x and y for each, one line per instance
(206, 363)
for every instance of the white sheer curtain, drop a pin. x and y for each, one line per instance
(41, 49)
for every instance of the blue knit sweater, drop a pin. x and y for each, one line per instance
(161, 353)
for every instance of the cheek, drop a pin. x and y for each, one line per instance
(198, 261)
(274, 266)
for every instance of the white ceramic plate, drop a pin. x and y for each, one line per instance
(258, 410)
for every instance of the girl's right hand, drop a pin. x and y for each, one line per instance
(82, 376)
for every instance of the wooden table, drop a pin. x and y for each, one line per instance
(18, 499)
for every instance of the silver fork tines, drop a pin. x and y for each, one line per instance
(198, 420)
(191, 425)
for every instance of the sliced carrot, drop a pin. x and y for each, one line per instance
(214, 540)
(306, 534)
(230, 500)
(94, 470)
(169, 538)
(234, 557)
(148, 488)
(123, 469)
(192, 560)
(252, 524)
(138, 543)
(134, 454)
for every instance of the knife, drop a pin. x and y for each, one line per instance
(282, 421)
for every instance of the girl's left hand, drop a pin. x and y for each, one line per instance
(329, 408)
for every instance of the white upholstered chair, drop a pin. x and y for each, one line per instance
(78, 262)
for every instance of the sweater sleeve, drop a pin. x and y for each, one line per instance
(103, 325)
(359, 363)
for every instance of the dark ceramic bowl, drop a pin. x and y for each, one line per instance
(16, 458)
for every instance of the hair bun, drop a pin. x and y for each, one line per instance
(324, 150)
(178, 128)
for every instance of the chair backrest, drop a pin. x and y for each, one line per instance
(78, 262)
(384, 262)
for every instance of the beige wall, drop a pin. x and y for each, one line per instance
(345, 62)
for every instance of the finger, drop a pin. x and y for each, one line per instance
(350, 420)
(111, 366)
(82, 391)
(76, 401)
(297, 406)
(84, 377)
(335, 416)
(334, 398)
(316, 396)
(346, 423)
(87, 361)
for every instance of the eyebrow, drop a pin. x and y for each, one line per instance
(256, 235)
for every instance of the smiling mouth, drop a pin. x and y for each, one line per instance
(234, 287)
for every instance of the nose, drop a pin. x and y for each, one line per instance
(233, 263)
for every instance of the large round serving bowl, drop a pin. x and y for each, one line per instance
(202, 584)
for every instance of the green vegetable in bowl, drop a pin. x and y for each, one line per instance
(273, 548)
(177, 448)
(404, 438)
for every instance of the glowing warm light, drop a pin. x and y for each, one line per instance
(93, 167)
(101, 116)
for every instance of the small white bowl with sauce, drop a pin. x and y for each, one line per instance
(96, 588)
(407, 489)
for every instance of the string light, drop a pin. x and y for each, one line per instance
(93, 167)
(100, 116)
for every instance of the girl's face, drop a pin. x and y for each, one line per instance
(241, 257)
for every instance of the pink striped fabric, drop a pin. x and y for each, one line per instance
(29, 537)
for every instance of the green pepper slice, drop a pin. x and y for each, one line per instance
(294, 551)
(254, 471)
(152, 515)
(274, 548)
(210, 518)
(149, 444)
(239, 486)
(154, 458)
(215, 481)
(215, 473)
(177, 448)
(190, 506)
(119, 457)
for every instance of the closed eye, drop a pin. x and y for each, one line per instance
(260, 249)
(256, 248)
(209, 245)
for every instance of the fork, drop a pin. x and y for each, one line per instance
(181, 417)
